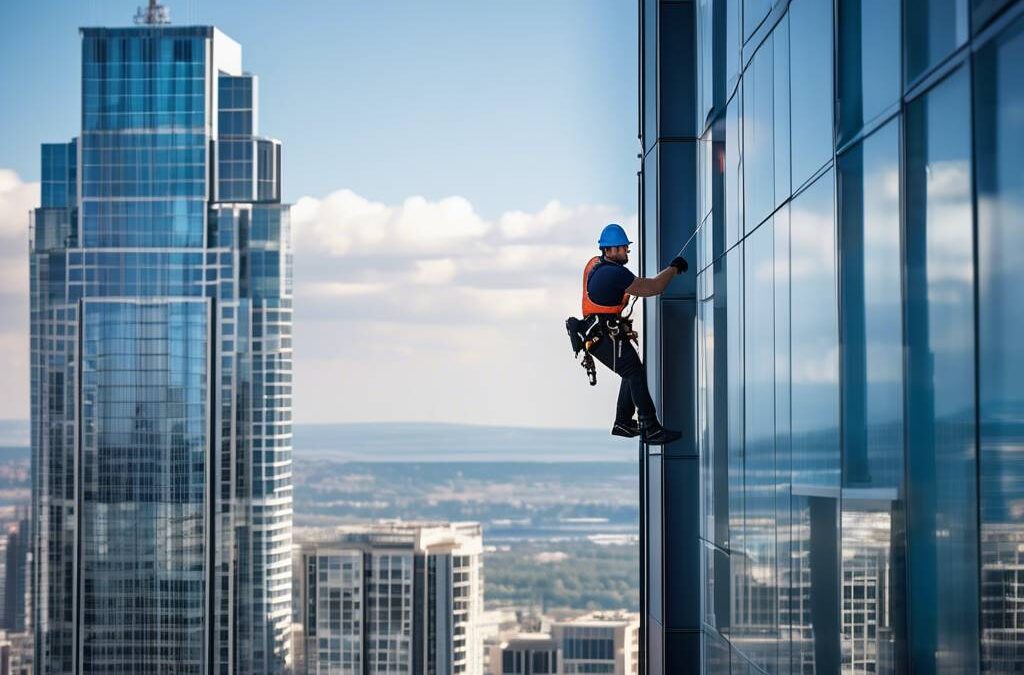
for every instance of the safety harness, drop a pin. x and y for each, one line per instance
(599, 322)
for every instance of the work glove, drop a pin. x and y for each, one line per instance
(679, 263)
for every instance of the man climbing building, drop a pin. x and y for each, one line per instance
(607, 287)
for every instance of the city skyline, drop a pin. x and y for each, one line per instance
(481, 241)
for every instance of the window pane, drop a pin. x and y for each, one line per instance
(783, 456)
(655, 543)
(755, 625)
(814, 606)
(758, 132)
(731, 293)
(872, 304)
(869, 47)
(815, 337)
(650, 73)
(733, 174)
(999, 125)
(780, 109)
(705, 60)
(754, 12)
(811, 69)
(723, 349)
(872, 515)
(940, 386)
(705, 414)
(932, 29)
(733, 43)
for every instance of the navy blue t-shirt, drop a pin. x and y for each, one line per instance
(608, 283)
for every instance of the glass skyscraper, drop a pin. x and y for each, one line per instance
(847, 358)
(161, 364)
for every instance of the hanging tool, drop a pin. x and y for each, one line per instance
(582, 338)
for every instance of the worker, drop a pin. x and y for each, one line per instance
(607, 287)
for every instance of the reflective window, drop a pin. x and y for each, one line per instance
(731, 294)
(705, 60)
(783, 454)
(705, 412)
(873, 588)
(811, 86)
(869, 224)
(758, 138)
(754, 12)
(650, 73)
(812, 605)
(733, 45)
(655, 535)
(145, 401)
(733, 174)
(940, 386)
(755, 620)
(780, 109)
(815, 337)
(999, 133)
(932, 29)
(676, 74)
(869, 56)
(720, 404)
(719, 162)
(649, 266)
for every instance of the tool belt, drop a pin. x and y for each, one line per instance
(589, 331)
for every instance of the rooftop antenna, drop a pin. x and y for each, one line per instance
(153, 15)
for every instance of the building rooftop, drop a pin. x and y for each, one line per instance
(400, 534)
(604, 618)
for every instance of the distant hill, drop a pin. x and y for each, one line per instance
(423, 442)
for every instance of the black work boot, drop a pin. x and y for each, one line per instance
(655, 434)
(626, 429)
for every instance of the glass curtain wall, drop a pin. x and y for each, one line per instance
(859, 412)
(161, 369)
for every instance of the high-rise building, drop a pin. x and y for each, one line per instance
(846, 355)
(161, 364)
(395, 597)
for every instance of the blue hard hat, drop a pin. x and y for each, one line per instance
(613, 235)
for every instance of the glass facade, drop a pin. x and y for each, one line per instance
(161, 370)
(853, 337)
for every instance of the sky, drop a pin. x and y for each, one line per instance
(450, 163)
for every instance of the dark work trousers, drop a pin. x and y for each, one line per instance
(621, 357)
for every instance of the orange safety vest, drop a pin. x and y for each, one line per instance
(589, 306)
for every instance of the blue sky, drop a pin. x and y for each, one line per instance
(508, 104)
(451, 163)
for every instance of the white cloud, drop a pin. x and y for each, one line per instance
(423, 309)
(17, 198)
(344, 223)
(441, 314)
(439, 271)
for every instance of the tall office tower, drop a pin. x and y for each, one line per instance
(161, 367)
(846, 356)
(393, 598)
